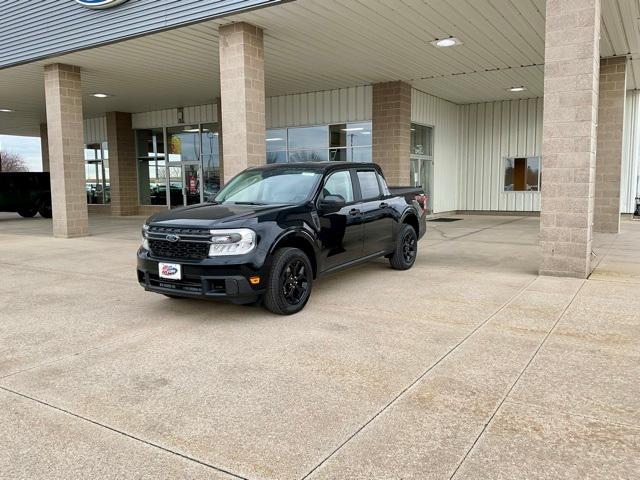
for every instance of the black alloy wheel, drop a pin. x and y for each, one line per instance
(290, 281)
(406, 251)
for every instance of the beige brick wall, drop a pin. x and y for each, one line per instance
(63, 95)
(122, 164)
(569, 136)
(391, 130)
(611, 102)
(242, 97)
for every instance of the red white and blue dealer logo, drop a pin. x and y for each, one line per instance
(100, 4)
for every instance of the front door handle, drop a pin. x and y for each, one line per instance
(384, 205)
(354, 211)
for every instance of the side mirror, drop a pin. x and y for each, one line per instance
(332, 203)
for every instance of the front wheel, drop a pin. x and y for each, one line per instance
(45, 210)
(28, 212)
(289, 283)
(406, 251)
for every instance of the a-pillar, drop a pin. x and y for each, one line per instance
(391, 130)
(44, 147)
(242, 97)
(572, 58)
(612, 96)
(63, 95)
(122, 164)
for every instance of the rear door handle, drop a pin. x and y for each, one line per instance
(354, 211)
(384, 205)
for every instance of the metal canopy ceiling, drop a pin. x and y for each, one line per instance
(315, 45)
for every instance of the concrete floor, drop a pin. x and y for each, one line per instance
(468, 366)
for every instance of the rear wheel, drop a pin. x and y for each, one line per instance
(406, 251)
(45, 210)
(28, 212)
(289, 283)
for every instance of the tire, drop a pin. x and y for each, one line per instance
(28, 212)
(45, 210)
(289, 282)
(406, 251)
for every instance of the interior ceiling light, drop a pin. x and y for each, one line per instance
(6, 110)
(274, 139)
(100, 95)
(353, 129)
(446, 42)
(519, 88)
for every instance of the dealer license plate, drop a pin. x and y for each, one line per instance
(170, 271)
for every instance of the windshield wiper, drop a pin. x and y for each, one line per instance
(249, 203)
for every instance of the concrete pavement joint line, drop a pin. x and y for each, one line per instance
(128, 435)
(420, 377)
(533, 356)
(571, 414)
(47, 270)
(88, 350)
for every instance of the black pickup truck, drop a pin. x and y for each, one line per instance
(27, 193)
(272, 230)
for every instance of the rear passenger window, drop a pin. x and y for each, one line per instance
(383, 183)
(369, 184)
(339, 183)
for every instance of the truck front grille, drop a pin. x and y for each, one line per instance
(179, 250)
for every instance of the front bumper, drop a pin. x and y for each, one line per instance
(229, 282)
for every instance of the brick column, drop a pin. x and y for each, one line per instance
(44, 147)
(122, 164)
(391, 130)
(63, 96)
(569, 136)
(611, 101)
(242, 97)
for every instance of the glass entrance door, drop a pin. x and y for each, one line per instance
(192, 183)
(422, 176)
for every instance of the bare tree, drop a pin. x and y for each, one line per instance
(12, 162)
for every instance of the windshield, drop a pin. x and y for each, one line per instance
(270, 186)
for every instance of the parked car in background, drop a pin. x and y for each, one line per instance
(26, 193)
(272, 230)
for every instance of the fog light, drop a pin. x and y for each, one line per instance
(254, 280)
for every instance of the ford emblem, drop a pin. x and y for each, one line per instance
(172, 238)
(100, 4)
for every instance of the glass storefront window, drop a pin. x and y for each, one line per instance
(522, 174)
(348, 142)
(96, 173)
(152, 172)
(183, 143)
(210, 159)
(421, 140)
(277, 145)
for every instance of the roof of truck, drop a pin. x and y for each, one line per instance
(319, 166)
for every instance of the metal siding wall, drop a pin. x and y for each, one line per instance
(630, 153)
(169, 117)
(445, 117)
(95, 130)
(316, 108)
(44, 28)
(491, 132)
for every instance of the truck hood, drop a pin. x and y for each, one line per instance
(211, 215)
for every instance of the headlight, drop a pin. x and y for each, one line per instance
(232, 242)
(145, 241)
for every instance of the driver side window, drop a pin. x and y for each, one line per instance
(339, 183)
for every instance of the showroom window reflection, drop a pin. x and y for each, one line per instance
(337, 142)
(194, 144)
(96, 169)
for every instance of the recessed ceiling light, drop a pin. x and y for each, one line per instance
(274, 139)
(517, 89)
(446, 42)
(100, 95)
(6, 110)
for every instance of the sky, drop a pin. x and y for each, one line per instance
(28, 147)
